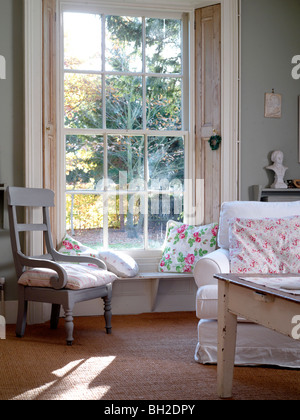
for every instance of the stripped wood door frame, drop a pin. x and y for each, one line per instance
(49, 106)
(208, 111)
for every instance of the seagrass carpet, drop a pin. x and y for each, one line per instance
(147, 357)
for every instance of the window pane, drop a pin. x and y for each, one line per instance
(84, 162)
(126, 221)
(126, 161)
(83, 101)
(164, 103)
(123, 44)
(106, 179)
(124, 109)
(166, 174)
(162, 207)
(84, 219)
(166, 162)
(163, 46)
(82, 41)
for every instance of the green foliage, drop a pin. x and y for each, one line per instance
(124, 99)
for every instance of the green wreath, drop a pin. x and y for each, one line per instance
(215, 142)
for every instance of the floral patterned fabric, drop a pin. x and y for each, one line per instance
(185, 245)
(117, 262)
(266, 246)
(80, 276)
(72, 247)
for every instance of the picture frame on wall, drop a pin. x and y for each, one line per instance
(273, 105)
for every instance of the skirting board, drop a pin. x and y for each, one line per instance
(10, 311)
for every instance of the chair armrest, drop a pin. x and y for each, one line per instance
(56, 282)
(214, 263)
(85, 259)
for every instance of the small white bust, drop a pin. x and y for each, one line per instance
(279, 169)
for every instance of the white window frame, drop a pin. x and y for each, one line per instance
(230, 97)
(71, 6)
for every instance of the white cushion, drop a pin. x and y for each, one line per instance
(267, 246)
(117, 262)
(207, 302)
(80, 276)
(185, 245)
(253, 210)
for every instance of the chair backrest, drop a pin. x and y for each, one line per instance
(28, 198)
(252, 210)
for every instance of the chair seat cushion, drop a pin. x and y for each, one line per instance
(80, 276)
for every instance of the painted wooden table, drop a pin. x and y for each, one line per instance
(272, 308)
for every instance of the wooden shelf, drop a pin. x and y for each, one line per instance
(271, 194)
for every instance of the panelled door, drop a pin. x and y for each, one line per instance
(208, 111)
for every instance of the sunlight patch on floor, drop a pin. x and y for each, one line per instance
(70, 383)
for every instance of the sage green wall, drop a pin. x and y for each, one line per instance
(270, 38)
(11, 120)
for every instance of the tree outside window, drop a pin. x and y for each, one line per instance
(123, 111)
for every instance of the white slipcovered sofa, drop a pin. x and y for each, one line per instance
(256, 345)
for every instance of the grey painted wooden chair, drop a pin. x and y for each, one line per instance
(57, 293)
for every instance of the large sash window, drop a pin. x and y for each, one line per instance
(125, 126)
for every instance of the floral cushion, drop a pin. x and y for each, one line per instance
(252, 210)
(72, 247)
(185, 245)
(80, 276)
(117, 262)
(266, 246)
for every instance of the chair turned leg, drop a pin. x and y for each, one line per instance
(69, 325)
(107, 313)
(22, 317)
(54, 316)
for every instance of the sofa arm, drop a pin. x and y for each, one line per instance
(214, 263)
